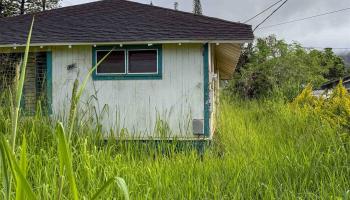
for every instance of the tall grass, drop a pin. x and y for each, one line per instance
(18, 170)
(19, 89)
(284, 153)
(262, 150)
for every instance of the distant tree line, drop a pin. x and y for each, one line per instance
(346, 57)
(10, 8)
(272, 67)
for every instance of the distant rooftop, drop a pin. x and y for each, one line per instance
(333, 83)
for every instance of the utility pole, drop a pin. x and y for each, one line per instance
(176, 6)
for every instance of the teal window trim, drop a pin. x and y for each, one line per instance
(206, 90)
(126, 75)
(49, 81)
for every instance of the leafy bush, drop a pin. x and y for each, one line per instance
(272, 66)
(254, 85)
(307, 100)
(337, 107)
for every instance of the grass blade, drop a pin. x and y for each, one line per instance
(16, 170)
(123, 187)
(121, 184)
(5, 172)
(65, 158)
(347, 195)
(87, 77)
(23, 166)
(102, 189)
(20, 88)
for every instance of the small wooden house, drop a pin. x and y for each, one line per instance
(164, 70)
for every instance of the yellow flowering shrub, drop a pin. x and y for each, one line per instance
(335, 109)
(307, 100)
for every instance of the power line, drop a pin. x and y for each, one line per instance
(273, 12)
(336, 48)
(263, 11)
(305, 18)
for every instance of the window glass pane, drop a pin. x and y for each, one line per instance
(142, 61)
(114, 63)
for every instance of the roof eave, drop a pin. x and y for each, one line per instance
(129, 43)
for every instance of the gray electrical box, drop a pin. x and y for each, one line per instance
(198, 126)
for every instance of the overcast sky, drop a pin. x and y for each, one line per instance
(326, 31)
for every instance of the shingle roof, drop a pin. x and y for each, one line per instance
(119, 21)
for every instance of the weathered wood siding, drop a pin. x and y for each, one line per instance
(214, 87)
(29, 88)
(137, 104)
(34, 85)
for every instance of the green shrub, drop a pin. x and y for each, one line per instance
(271, 66)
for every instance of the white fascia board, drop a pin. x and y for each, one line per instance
(128, 43)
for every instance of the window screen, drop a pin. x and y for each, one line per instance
(142, 61)
(114, 63)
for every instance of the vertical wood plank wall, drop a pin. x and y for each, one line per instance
(33, 89)
(29, 88)
(136, 104)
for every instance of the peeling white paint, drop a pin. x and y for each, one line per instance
(135, 104)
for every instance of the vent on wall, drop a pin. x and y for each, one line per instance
(198, 126)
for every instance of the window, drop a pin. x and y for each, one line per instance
(113, 64)
(142, 61)
(136, 62)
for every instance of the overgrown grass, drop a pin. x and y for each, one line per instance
(284, 153)
(262, 149)
(11, 167)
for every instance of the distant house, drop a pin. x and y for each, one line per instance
(166, 66)
(326, 89)
(332, 84)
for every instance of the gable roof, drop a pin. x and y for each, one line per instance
(110, 21)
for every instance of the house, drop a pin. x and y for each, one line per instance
(164, 70)
(327, 88)
(333, 83)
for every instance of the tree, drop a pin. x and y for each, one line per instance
(22, 4)
(271, 65)
(1, 8)
(19, 7)
(346, 58)
(335, 65)
(42, 5)
(7, 8)
(197, 7)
